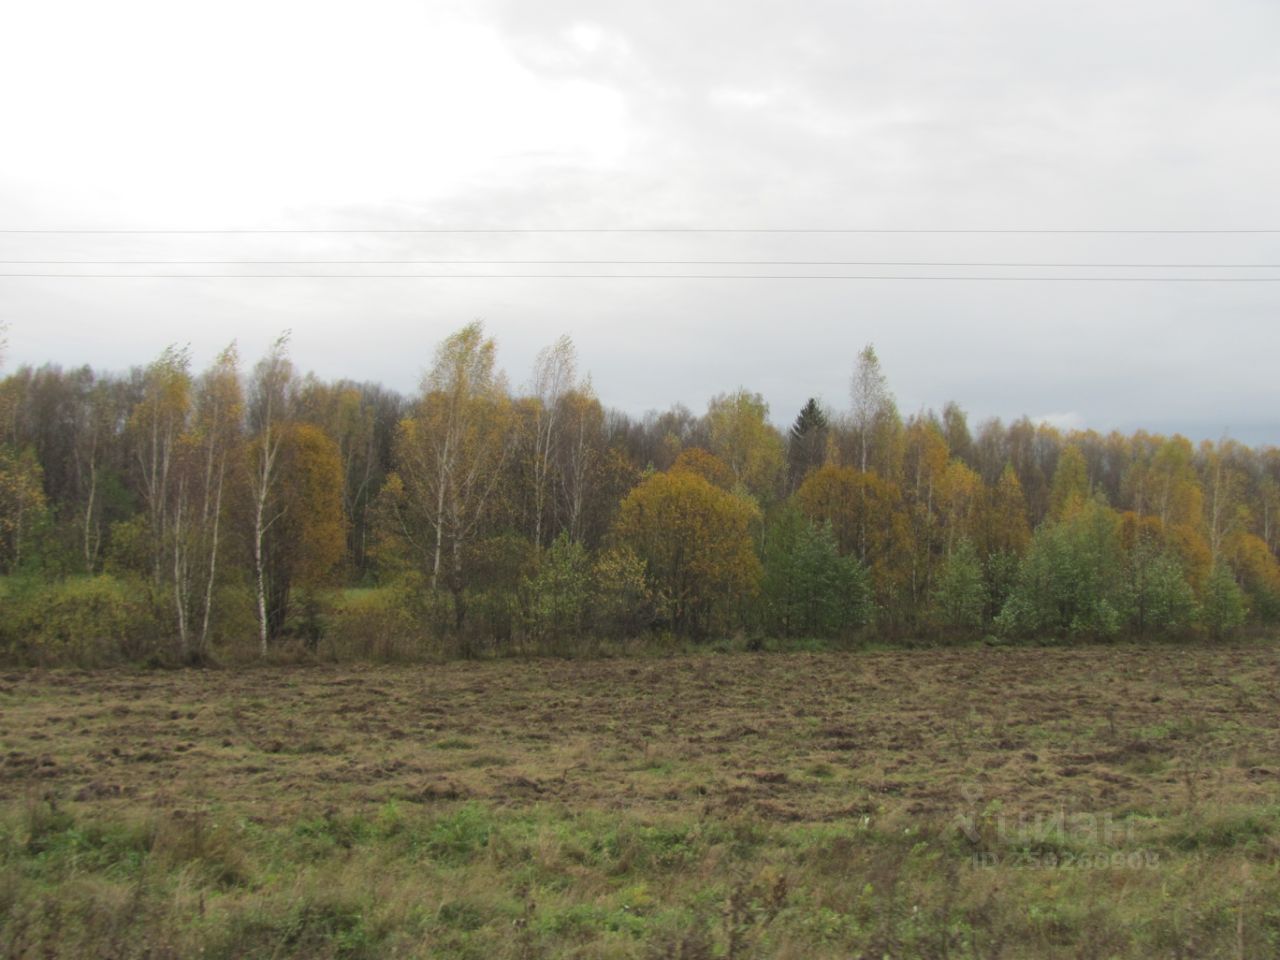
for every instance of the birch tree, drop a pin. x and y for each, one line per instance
(580, 453)
(94, 436)
(1223, 486)
(871, 401)
(740, 434)
(22, 503)
(451, 454)
(157, 424)
(554, 375)
(270, 396)
(209, 449)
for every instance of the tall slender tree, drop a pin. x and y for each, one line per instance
(580, 456)
(157, 423)
(271, 391)
(210, 448)
(806, 443)
(871, 402)
(554, 376)
(451, 455)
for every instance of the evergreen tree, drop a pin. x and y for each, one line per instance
(806, 443)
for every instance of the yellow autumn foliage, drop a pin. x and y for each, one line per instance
(696, 542)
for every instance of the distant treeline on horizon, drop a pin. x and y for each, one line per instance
(179, 514)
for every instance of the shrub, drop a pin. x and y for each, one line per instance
(696, 542)
(492, 620)
(1070, 581)
(374, 624)
(1258, 574)
(960, 596)
(558, 595)
(85, 621)
(808, 588)
(622, 604)
(1222, 608)
(234, 625)
(1157, 594)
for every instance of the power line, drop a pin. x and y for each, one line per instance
(664, 263)
(618, 276)
(638, 230)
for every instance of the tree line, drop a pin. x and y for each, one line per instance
(174, 514)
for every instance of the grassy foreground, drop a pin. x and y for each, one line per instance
(1088, 802)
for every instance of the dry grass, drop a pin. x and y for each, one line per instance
(965, 803)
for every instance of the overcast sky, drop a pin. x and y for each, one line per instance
(247, 114)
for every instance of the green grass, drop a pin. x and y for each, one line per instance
(471, 881)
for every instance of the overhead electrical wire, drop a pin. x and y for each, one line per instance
(621, 276)
(650, 230)
(663, 263)
(626, 263)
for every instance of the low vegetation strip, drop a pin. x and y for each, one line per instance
(1097, 801)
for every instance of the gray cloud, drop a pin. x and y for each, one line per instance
(565, 113)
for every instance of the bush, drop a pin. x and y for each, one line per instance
(234, 624)
(961, 593)
(1000, 576)
(1157, 595)
(1222, 608)
(623, 603)
(374, 624)
(492, 621)
(1071, 579)
(86, 621)
(696, 543)
(808, 588)
(558, 596)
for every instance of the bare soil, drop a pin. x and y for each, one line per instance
(782, 737)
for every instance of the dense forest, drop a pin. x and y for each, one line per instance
(172, 515)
